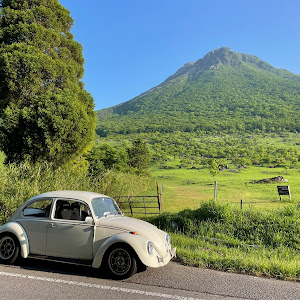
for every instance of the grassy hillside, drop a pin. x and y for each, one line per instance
(223, 92)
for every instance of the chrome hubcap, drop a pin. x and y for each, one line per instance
(7, 247)
(119, 261)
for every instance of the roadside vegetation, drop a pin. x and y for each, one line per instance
(222, 237)
(23, 181)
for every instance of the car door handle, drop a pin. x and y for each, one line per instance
(52, 225)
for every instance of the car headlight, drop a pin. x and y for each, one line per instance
(168, 239)
(150, 248)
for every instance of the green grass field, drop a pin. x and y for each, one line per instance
(187, 188)
(256, 243)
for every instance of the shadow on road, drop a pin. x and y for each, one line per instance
(60, 268)
(63, 268)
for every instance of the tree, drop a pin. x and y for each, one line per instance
(213, 167)
(46, 114)
(139, 155)
(214, 170)
(106, 157)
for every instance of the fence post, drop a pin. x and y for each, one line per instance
(158, 198)
(145, 207)
(161, 197)
(130, 206)
(215, 190)
(241, 204)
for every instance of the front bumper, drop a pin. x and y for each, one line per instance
(162, 261)
(173, 252)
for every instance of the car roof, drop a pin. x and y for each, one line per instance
(79, 195)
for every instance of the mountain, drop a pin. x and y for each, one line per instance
(224, 91)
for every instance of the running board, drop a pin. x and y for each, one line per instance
(79, 262)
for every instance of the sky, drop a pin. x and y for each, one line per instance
(130, 46)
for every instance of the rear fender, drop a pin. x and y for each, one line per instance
(18, 231)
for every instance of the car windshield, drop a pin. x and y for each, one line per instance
(104, 207)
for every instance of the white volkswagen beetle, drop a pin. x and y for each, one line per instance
(83, 228)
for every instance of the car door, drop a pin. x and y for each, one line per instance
(35, 220)
(68, 235)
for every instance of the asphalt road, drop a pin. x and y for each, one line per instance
(34, 279)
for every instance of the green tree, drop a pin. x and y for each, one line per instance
(213, 167)
(46, 114)
(106, 157)
(139, 155)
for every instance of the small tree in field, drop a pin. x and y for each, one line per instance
(213, 167)
(46, 114)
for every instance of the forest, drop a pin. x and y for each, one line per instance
(194, 150)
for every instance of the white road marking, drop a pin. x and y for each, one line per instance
(98, 286)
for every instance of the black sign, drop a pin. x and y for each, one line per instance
(283, 190)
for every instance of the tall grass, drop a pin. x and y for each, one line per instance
(218, 236)
(21, 182)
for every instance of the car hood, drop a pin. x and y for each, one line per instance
(145, 229)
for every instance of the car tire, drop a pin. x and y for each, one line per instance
(121, 262)
(9, 249)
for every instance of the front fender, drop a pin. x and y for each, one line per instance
(17, 230)
(138, 244)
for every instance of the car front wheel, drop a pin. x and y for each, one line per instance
(121, 263)
(9, 249)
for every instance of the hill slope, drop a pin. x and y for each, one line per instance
(224, 91)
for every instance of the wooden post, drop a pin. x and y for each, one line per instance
(216, 190)
(158, 198)
(145, 207)
(161, 197)
(241, 204)
(130, 206)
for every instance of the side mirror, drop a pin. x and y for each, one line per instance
(89, 220)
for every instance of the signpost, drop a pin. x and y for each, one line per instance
(284, 190)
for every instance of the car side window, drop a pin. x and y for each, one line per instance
(39, 209)
(71, 210)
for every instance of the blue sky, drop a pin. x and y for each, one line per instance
(131, 46)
